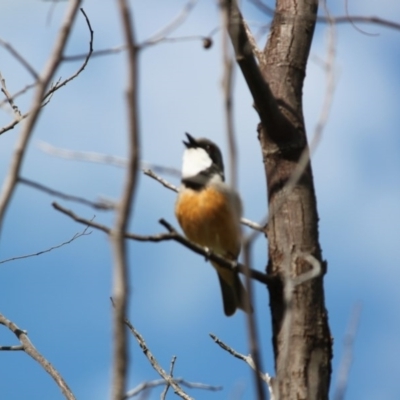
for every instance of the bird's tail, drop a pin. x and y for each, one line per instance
(234, 295)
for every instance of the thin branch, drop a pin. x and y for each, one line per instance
(101, 205)
(178, 390)
(82, 155)
(12, 124)
(82, 67)
(314, 272)
(9, 98)
(227, 89)
(174, 24)
(100, 158)
(165, 183)
(161, 382)
(347, 358)
(264, 101)
(341, 19)
(172, 235)
(19, 93)
(237, 31)
(21, 59)
(171, 372)
(361, 19)
(30, 349)
(346, 6)
(11, 348)
(47, 75)
(96, 53)
(46, 96)
(76, 236)
(117, 235)
(247, 359)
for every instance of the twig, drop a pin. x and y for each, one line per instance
(30, 349)
(172, 235)
(11, 348)
(162, 33)
(168, 378)
(76, 236)
(83, 155)
(346, 6)
(96, 53)
(48, 73)
(347, 358)
(100, 158)
(82, 67)
(117, 235)
(9, 98)
(227, 89)
(234, 26)
(340, 19)
(161, 382)
(46, 96)
(247, 359)
(102, 205)
(167, 386)
(19, 93)
(165, 183)
(21, 59)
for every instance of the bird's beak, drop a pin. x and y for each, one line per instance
(191, 143)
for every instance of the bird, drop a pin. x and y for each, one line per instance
(209, 212)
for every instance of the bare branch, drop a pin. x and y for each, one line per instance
(19, 93)
(12, 124)
(173, 235)
(264, 101)
(46, 96)
(21, 59)
(47, 75)
(227, 89)
(315, 271)
(247, 359)
(76, 236)
(117, 235)
(11, 348)
(227, 85)
(9, 98)
(171, 371)
(101, 205)
(30, 349)
(82, 67)
(163, 182)
(96, 53)
(94, 157)
(161, 382)
(347, 358)
(168, 378)
(341, 19)
(82, 155)
(160, 35)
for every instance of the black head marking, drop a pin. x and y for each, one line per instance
(210, 147)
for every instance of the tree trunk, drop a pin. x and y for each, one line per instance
(303, 368)
(301, 337)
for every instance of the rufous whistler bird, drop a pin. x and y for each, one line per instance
(209, 213)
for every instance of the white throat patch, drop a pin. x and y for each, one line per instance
(195, 160)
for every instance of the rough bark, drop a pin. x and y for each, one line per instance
(302, 346)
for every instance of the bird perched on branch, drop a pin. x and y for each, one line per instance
(209, 213)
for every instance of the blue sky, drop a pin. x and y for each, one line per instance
(62, 298)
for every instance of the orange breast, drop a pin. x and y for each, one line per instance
(207, 218)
